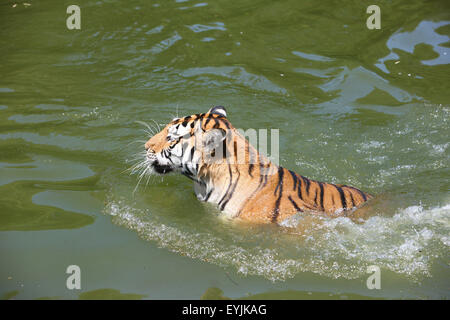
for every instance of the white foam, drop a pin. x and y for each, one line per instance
(406, 243)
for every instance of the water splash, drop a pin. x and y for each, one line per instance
(406, 243)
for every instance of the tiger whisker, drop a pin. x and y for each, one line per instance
(157, 124)
(133, 169)
(136, 141)
(150, 129)
(140, 178)
(148, 179)
(138, 165)
(149, 133)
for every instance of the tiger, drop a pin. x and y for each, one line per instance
(204, 147)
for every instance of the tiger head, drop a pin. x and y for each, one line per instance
(186, 144)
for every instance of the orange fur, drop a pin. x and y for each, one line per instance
(253, 189)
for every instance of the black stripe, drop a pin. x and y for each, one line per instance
(186, 175)
(341, 193)
(307, 184)
(363, 195)
(229, 184)
(216, 124)
(187, 171)
(351, 198)
(321, 194)
(224, 149)
(251, 161)
(231, 192)
(225, 122)
(208, 195)
(360, 192)
(263, 176)
(280, 181)
(315, 196)
(207, 121)
(294, 177)
(299, 188)
(280, 187)
(294, 204)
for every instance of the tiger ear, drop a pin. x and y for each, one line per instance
(218, 110)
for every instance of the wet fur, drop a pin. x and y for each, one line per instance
(256, 189)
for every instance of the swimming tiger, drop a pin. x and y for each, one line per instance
(229, 172)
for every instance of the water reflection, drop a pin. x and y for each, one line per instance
(424, 33)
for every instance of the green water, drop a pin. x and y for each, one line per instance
(363, 107)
